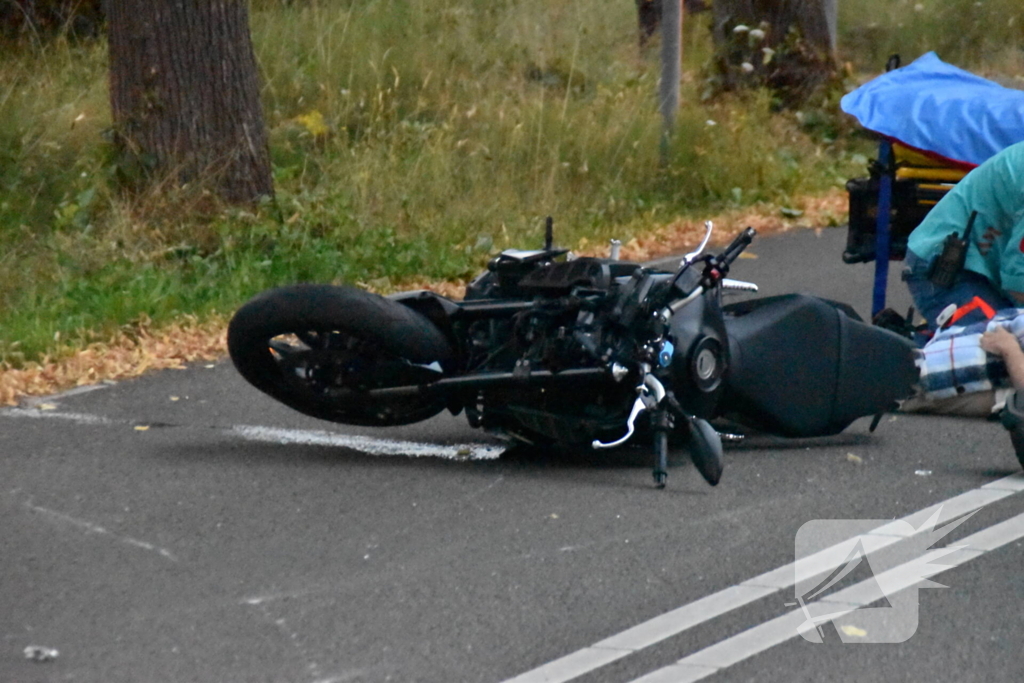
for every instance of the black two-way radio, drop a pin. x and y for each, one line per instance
(954, 254)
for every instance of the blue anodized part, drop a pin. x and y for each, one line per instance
(665, 355)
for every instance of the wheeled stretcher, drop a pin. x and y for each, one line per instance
(936, 122)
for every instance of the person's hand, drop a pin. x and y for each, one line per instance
(1000, 342)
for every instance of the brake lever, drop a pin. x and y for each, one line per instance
(638, 407)
(651, 393)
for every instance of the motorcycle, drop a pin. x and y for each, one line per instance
(583, 352)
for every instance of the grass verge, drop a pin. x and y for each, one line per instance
(145, 348)
(410, 140)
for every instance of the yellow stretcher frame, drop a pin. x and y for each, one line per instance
(928, 173)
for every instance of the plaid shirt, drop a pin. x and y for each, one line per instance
(953, 362)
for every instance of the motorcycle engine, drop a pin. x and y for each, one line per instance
(561, 331)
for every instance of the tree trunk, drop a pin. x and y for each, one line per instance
(795, 55)
(184, 91)
(648, 14)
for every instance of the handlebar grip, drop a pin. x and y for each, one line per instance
(737, 246)
(715, 268)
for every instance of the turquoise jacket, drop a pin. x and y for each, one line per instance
(996, 191)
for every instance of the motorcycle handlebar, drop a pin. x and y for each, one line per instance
(737, 246)
(715, 270)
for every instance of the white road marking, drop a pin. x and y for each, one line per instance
(753, 641)
(286, 595)
(80, 418)
(33, 401)
(347, 676)
(707, 608)
(97, 529)
(310, 437)
(367, 444)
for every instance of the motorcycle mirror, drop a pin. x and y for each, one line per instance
(688, 259)
(706, 450)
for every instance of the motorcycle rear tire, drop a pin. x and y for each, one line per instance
(338, 319)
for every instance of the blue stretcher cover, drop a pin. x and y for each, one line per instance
(938, 109)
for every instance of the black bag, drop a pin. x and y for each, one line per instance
(911, 201)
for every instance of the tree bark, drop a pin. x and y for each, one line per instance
(799, 36)
(184, 91)
(649, 12)
(811, 17)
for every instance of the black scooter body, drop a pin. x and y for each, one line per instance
(801, 366)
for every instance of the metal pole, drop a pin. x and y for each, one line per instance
(882, 229)
(671, 53)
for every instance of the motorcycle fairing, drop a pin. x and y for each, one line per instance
(699, 326)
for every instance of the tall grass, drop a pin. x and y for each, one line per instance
(481, 117)
(986, 36)
(410, 139)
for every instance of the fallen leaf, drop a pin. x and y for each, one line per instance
(40, 654)
(923, 473)
(855, 459)
(175, 398)
(853, 631)
(747, 254)
(46, 406)
(120, 357)
(141, 428)
(554, 516)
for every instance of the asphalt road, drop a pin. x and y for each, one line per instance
(183, 527)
